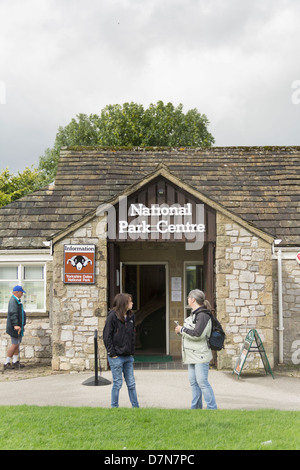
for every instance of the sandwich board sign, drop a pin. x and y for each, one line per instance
(248, 346)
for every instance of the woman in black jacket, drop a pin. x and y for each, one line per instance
(119, 340)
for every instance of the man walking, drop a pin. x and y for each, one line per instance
(16, 321)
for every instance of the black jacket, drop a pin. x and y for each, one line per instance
(118, 336)
(15, 317)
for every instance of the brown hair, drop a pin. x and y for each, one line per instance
(120, 305)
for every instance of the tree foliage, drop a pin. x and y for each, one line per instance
(130, 125)
(12, 187)
(127, 125)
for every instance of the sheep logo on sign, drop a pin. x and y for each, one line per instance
(79, 261)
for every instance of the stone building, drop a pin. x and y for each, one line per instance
(157, 223)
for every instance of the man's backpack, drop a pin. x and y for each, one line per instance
(217, 337)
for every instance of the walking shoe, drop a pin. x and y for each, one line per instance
(8, 366)
(17, 365)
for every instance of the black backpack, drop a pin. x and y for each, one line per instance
(217, 337)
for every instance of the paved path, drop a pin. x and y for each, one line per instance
(155, 388)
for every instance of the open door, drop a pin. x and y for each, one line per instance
(147, 285)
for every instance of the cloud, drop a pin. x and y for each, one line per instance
(234, 61)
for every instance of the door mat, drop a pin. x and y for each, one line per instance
(153, 358)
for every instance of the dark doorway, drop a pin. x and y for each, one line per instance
(147, 285)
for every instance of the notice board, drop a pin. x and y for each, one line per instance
(79, 264)
(249, 346)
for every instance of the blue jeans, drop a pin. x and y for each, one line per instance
(119, 366)
(198, 377)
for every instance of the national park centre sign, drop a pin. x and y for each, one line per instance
(137, 221)
(182, 220)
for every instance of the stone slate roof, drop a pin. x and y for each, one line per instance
(261, 185)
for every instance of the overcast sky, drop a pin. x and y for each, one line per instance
(236, 61)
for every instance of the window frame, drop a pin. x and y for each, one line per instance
(185, 265)
(21, 279)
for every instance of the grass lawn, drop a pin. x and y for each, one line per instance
(63, 428)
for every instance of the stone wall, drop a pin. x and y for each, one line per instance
(243, 290)
(290, 306)
(36, 345)
(78, 310)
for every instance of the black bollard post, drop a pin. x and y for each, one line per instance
(96, 381)
(96, 355)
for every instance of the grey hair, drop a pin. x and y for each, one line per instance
(199, 296)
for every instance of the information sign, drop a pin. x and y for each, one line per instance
(79, 264)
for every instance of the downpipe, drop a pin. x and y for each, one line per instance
(280, 307)
(280, 328)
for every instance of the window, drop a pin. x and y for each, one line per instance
(31, 277)
(193, 279)
(8, 279)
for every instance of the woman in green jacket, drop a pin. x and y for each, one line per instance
(196, 351)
